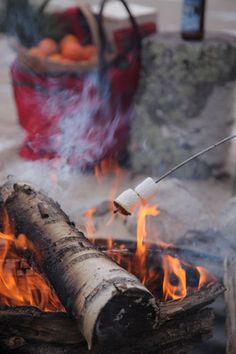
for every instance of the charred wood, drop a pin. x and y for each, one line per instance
(183, 324)
(57, 333)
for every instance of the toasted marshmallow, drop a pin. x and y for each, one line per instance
(127, 202)
(146, 189)
(131, 199)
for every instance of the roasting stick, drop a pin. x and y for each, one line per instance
(131, 199)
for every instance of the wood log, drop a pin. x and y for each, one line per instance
(108, 303)
(183, 323)
(230, 303)
(193, 302)
(178, 335)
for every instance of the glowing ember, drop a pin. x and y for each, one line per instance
(20, 285)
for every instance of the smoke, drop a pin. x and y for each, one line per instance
(76, 123)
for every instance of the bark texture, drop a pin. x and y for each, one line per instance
(108, 303)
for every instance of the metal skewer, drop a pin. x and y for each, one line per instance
(195, 156)
(134, 195)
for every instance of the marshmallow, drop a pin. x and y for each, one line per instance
(127, 202)
(146, 189)
(131, 199)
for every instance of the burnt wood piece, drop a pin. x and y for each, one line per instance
(230, 303)
(108, 303)
(183, 324)
(191, 303)
(176, 336)
(57, 333)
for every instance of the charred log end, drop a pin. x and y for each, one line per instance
(126, 316)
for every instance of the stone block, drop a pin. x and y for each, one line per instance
(185, 103)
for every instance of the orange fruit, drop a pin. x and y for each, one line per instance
(56, 57)
(72, 51)
(37, 52)
(88, 52)
(48, 45)
(68, 39)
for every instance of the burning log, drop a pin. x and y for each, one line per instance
(230, 303)
(183, 324)
(108, 303)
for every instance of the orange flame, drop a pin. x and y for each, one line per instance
(144, 211)
(105, 168)
(118, 173)
(205, 277)
(173, 269)
(20, 285)
(89, 224)
(142, 244)
(109, 243)
(172, 276)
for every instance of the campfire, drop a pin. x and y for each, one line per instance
(42, 256)
(164, 274)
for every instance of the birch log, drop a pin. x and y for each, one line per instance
(108, 303)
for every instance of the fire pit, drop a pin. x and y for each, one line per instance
(32, 319)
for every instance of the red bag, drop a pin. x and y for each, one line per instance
(80, 117)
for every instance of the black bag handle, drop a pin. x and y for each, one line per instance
(103, 65)
(104, 43)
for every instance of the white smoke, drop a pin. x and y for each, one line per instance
(81, 135)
